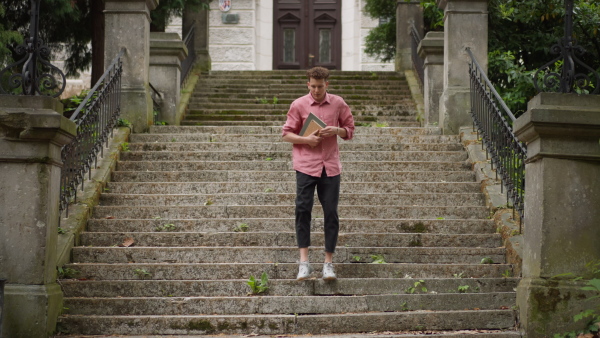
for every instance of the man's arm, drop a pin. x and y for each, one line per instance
(312, 140)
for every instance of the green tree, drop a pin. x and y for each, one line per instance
(69, 26)
(521, 34)
(7, 38)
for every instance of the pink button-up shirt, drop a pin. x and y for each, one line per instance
(334, 112)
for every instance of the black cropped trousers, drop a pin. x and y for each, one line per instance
(328, 191)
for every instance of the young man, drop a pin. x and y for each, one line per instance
(316, 159)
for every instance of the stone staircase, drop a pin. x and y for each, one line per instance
(211, 203)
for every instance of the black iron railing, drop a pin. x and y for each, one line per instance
(417, 61)
(156, 103)
(491, 118)
(96, 117)
(37, 75)
(573, 75)
(189, 61)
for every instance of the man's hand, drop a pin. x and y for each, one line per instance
(329, 131)
(314, 139)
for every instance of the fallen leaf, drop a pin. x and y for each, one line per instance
(127, 242)
(504, 308)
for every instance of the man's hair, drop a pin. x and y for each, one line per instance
(318, 73)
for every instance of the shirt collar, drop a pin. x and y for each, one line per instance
(325, 100)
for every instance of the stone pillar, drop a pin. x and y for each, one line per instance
(431, 49)
(407, 13)
(562, 216)
(167, 51)
(465, 25)
(128, 26)
(200, 18)
(32, 133)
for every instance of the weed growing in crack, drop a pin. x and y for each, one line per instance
(243, 227)
(378, 259)
(418, 285)
(166, 227)
(258, 286)
(142, 273)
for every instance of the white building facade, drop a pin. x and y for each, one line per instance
(271, 34)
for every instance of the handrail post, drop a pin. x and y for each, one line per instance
(465, 26)
(561, 209)
(128, 26)
(408, 13)
(30, 163)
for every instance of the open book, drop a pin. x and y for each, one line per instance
(311, 124)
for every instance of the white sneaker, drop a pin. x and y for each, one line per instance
(304, 271)
(328, 273)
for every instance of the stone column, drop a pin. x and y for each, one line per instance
(407, 13)
(200, 18)
(128, 26)
(431, 49)
(465, 25)
(167, 51)
(32, 133)
(562, 217)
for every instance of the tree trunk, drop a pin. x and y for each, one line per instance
(97, 13)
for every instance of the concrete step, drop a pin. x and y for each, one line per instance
(283, 287)
(282, 254)
(274, 176)
(369, 131)
(285, 146)
(276, 239)
(146, 306)
(206, 115)
(286, 187)
(280, 123)
(286, 165)
(262, 198)
(277, 211)
(224, 271)
(290, 324)
(433, 156)
(348, 225)
(284, 102)
(374, 334)
(240, 138)
(356, 106)
(301, 90)
(220, 82)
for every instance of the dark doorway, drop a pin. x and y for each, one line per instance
(307, 33)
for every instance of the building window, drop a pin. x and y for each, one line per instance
(325, 45)
(289, 45)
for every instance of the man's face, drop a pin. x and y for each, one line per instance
(317, 88)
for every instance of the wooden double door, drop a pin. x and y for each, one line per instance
(307, 33)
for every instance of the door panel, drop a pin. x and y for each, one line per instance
(307, 34)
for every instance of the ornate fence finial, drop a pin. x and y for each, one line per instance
(38, 76)
(587, 81)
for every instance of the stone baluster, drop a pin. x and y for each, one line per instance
(465, 26)
(167, 51)
(431, 49)
(32, 133)
(128, 26)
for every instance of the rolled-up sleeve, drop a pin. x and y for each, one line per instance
(293, 124)
(347, 122)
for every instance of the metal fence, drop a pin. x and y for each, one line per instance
(417, 61)
(96, 117)
(189, 61)
(493, 121)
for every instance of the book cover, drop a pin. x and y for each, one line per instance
(311, 124)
